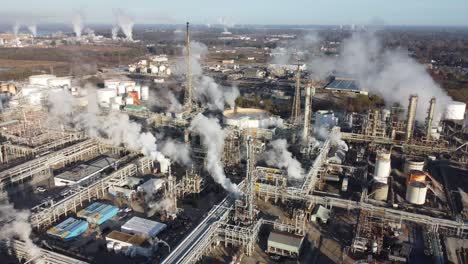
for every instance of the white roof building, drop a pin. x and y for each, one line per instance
(140, 226)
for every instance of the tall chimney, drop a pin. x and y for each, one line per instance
(296, 107)
(188, 90)
(411, 116)
(430, 117)
(307, 111)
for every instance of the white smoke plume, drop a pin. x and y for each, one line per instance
(77, 23)
(176, 151)
(165, 98)
(296, 49)
(115, 32)
(125, 23)
(16, 28)
(114, 128)
(212, 137)
(279, 156)
(15, 224)
(390, 73)
(207, 90)
(33, 29)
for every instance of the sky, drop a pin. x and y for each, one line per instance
(297, 12)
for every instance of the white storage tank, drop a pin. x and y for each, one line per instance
(111, 83)
(162, 68)
(382, 166)
(416, 192)
(40, 79)
(455, 111)
(110, 246)
(104, 96)
(117, 248)
(379, 191)
(168, 71)
(121, 89)
(145, 93)
(413, 164)
(154, 69)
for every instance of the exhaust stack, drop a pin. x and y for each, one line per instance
(188, 90)
(411, 116)
(296, 107)
(310, 91)
(430, 117)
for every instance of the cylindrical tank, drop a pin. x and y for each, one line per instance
(379, 191)
(121, 89)
(104, 95)
(168, 71)
(413, 164)
(117, 248)
(134, 95)
(144, 93)
(455, 111)
(382, 167)
(162, 68)
(131, 68)
(110, 246)
(154, 69)
(416, 193)
(416, 176)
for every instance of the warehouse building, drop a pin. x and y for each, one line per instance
(83, 173)
(68, 229)
(344, 85)
(140, 226)
(98, 213)
(284, 244)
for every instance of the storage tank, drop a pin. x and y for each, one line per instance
(382, 166)
(134, 95)
(41, 79)
(168, 71)
(144, 93)
(379, 191)
(129, 100)
(154, 69)
(455, 111)
(131, 68)
(162, 68)
(416, 176)
(110, 246)
(121, 89)
(104, 96)
(413, 164)
(117, 248)
(416, 193)
(111, 83)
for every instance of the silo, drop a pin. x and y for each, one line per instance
(413, 164)
(382, 167)
(416, 193)
(379, 191)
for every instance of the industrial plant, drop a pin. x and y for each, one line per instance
(185, 158)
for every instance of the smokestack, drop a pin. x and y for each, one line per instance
(188, 91)
(411, 116)
(307, 111)
(430, 117)
(296, 108)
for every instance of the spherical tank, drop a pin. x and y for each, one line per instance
(413, 164)
(416, 193)
(382, 167)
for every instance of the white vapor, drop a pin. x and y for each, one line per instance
(77, 23)
(207, 90)
(125, 23)
(212, 137)
(115, 32)
(33, 29)
(279, 156)
(176, 151)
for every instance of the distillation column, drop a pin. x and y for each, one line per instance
(411, 116)
(188, 90)
(296, 107)
(430, 117)
(310, 91)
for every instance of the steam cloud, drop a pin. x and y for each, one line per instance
(33, 29)
(115, 32)
(212, 137)
(77, 23)
(166, 99)
(15, 224)
(392, 74)
(176, 151)
(125, 23)
(207, 90)
(279, 156)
